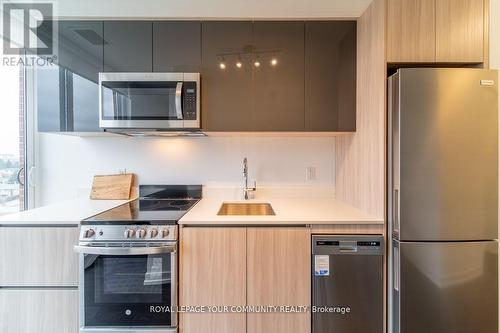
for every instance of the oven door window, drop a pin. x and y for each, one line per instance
(128, 290)
(139, 100)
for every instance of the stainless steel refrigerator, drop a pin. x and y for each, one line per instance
(443, 200)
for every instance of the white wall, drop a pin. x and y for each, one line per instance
(66, 164)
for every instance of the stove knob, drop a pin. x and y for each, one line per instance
(153, 233)
(165, 233)
(129, 233)
(88, 233)
(141, 233)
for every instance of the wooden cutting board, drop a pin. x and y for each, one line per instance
(112, 187)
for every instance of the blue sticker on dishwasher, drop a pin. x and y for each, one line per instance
(321, 265)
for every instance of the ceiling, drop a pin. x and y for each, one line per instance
(211, 9)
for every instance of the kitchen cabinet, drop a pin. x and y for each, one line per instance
(67, 92)
(330, 76)
(460, 30)
(436, 31)
(46, 257)
(128, 46)
(227, 93)
(177, 46)
(212, 273)
(40, 311)
(245, 266)
(279, 76)
(278, 96)
(279, 274)
(38, 279)
(411, 31)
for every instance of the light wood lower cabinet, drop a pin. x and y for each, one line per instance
(40, 311)
(212, 273)
(245, 266)
(279, 274)
(41, 256)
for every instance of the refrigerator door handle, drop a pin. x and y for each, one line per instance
(395, 213)
(395, 270)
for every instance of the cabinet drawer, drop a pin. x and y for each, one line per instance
(40, 311)
(38, 256)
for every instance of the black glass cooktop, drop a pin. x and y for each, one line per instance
(158, 204)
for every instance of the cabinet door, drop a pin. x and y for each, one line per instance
(176, 46)
(459, 31)
(80, 55)
(411, 33)
(212, 273)
(51, 108)
(279, 274)
(330, 76)
(80, 47)
(128, 46)
(40, 311)
(68, 94)
(279, 89)
(227, 92)
(38, 256)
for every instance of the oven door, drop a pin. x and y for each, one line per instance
(146, 100)
(128, 286)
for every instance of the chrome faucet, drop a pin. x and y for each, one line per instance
(247, 189)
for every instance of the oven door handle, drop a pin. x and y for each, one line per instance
(128, 251)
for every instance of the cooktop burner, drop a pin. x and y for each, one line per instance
(158, 204)
(165, 204)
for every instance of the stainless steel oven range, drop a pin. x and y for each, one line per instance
(128, 262)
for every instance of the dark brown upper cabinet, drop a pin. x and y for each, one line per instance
(177, 46)
(226, 88)
(69, 87)
(279, 79)
(128, 46)
(330, 76)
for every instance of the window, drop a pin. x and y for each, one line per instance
(12, 138)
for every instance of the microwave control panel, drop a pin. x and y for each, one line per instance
(189, 103)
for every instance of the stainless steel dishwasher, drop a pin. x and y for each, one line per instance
(347, 282)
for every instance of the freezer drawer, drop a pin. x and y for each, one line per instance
(442, 287)
(348, 280)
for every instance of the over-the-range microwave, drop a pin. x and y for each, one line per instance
(143, 102)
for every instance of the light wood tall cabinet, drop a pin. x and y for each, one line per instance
(254, 266)
(437, 31)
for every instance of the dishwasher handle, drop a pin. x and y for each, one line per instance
(348, 248)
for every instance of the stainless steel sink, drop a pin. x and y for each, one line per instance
(246, 209)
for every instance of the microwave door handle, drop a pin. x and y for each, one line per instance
(178, 100)
(120, 251)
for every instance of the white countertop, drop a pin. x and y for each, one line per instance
(69, 212)
(291, 206)
(288, 211)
